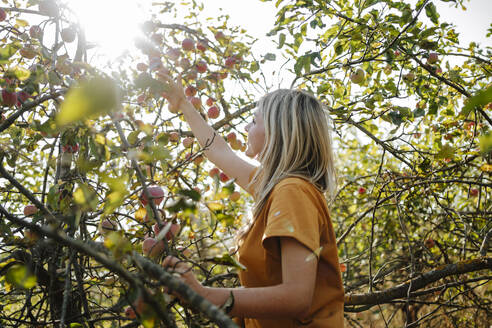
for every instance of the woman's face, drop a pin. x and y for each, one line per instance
(256, 135)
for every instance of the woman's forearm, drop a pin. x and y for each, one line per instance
(206, 135)
(278, 301)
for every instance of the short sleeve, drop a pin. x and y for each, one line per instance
(292, 213)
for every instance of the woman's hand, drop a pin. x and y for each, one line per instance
(174, 265)
(175, 92)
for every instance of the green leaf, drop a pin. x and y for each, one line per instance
(19, 276)
(227, 259)
(21, 73)
(281, 40)
(7, 52)
(396, 118)
(446, 151)
(270, 56)
(431, 12)
(480, 99)
(193, 194)
(88, 100)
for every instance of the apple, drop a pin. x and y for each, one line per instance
(236, 144)
(152, 248)
(28, 52)
(429, 243)
(343, 267)
(469, 125)
(31, 236)
(201, 84)
(187, 142)
(210, 102)
(22, 96)
(474, 192)
(35, 32)
(9, 99)
(70, 148)
(223, 75)
(190, 91)
(188, 44)
(432, 58)
(230, 62)
(173, 136)
(172, 232)
(362, 190)
(201, 66)
(192, 74)
(196, 102)
(156, 193)
(108, 225)
(173, 54)
(198, 160)
(202, 46)
(223, 177)
(130, 313)
(30, 210)
(213, 112)
(219, 36)
(231, 136)
(397, 53)
(214, 172)
(48, 7)
(409, 77)
(142, 67)
(68, 34)
(3, 15)
(358, 77)
(234, 197)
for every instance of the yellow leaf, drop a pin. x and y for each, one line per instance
(215, 206)
(140, 214)
(21, 22)
(101, 139)
(486, 168)
(88, 100)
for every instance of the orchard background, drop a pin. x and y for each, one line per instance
(84, 147)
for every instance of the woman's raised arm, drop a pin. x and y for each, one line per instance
(217, 150)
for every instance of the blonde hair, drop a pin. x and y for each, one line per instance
(297, 144)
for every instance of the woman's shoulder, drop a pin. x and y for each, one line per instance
(296, 183)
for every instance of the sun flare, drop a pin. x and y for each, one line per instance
(111, 24)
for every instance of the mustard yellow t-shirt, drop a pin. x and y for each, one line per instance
(295, 208)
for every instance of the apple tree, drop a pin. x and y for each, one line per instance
(412, 111)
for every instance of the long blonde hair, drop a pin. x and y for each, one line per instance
(297, 144)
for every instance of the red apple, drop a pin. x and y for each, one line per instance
(219, 36)
(174, 136)
(202, 46)
(28, 52)
(362, 190)
(156, 193)
(172, 232)
(196, 102)
(201, 66)
(188, 44)
(223, 177)
(187, 142)
(236, 144)
(184, 63)
(190, 91)
(152, 248)
(30, 210)
(35, 32)
(173, 53)
(108, 225)
(223, 75)
(198, 160)
(235, 196)
(231, 136)
(68, 34)
(474, 192)
(31, 236)
(210, 102)
(70, 148)
(343, 267)
(432, 58)
(213, 112)
(214, 172)
(230, 62)
(3, 15)
(22, 96)
(429, 243)
(9, 99)
(130, 313)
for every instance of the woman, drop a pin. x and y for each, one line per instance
(292, 275)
